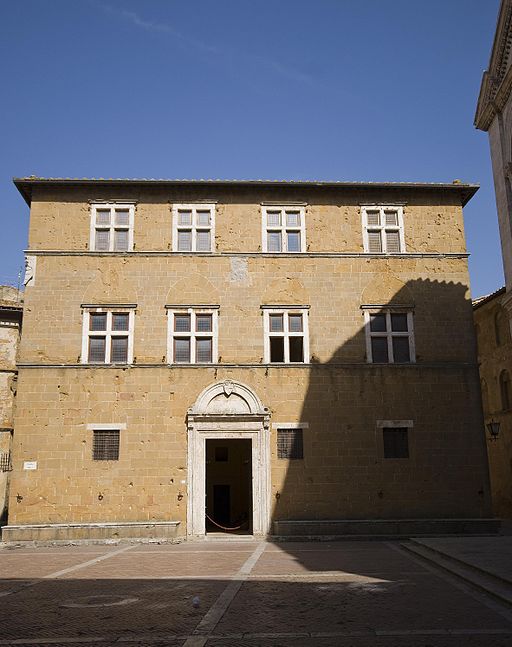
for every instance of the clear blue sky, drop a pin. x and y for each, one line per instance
(280, 89)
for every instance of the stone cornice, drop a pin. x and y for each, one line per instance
(496, 83)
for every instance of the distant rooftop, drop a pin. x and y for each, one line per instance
(479, 301)
(25, 184)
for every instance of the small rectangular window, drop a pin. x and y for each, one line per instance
(119, 350)
(105, 445)
(182, 350)
(98, 321)
(204, 350)
(182, 323)
(120, 321)
(290, 444)
(184, 241)
(221, 454)
(396, 442)
(97, 350)
(380, 350)
(277, 349)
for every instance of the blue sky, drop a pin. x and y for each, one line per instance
(280, 89)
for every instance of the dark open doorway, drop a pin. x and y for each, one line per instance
(229, 486)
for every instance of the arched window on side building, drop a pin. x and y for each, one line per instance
(506, 398)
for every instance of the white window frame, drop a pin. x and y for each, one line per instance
(383, 228)
(95, 206)
(108, 333)
(267, 334)
(389, 334)
(283, 228)
(193, 311)
(194, 207)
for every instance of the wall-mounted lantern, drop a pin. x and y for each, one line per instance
(493, 429)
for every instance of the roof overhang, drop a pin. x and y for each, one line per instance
(26, 185)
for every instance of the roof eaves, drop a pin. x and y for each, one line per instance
(24, 184)
(480, 301)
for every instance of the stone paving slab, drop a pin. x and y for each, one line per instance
(348, 593)
(336, 557)
(156, 565)
(490, 554)
(100, 608)
(365, 641)
(36, 566)
(413, 603)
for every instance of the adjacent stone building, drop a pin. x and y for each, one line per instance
(11, 308)
(263, 356)
(494, 115)
(495, 361)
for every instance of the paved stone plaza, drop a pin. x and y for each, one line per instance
(241, 593)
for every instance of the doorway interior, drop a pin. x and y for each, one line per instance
(228, 495)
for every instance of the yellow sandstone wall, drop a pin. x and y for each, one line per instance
(343, 474)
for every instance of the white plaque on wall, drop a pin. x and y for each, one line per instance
(30, 465)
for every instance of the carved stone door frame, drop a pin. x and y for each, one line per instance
(228, 410)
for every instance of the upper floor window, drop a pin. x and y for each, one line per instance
(193, 227)
(286, 335)
(383, 229)
(284, 229)
(389, 337)
(192, 335)
(112, 227)
(108, 335)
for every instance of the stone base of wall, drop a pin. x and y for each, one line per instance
(384, 528)
(164, 530)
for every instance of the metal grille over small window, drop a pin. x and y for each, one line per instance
(396, 442)
(289, 444)
(105, 445)
(5, 462)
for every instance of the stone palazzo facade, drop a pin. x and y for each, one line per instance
(289, 357)
(494, 115)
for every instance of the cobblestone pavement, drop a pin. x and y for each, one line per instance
(240, 593)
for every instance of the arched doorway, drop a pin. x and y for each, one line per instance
(227, 411)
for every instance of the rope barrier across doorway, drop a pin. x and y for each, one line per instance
(224, 527)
